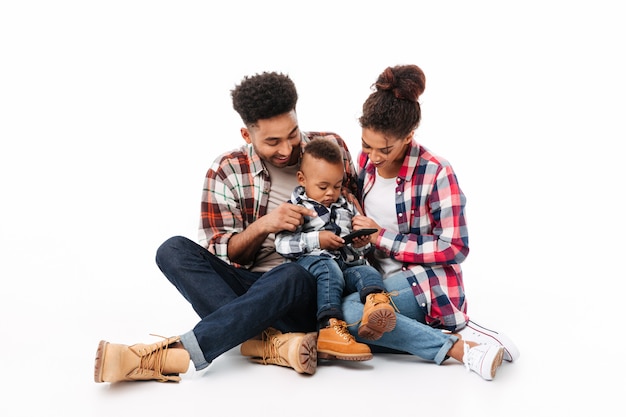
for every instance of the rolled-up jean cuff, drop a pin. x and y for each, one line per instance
(442, 355)
(190, 343)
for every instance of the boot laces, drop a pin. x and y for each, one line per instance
(388, 299)
(390, 296)
(270, 347)
(153, 360)
(341, 328)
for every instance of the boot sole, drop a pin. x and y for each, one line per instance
(378, 322)
(307, 354)
(301, 358)
(99, 365)
(344, 357)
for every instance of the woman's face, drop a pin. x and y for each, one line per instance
(386, 153)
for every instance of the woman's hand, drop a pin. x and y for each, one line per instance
(364, 222)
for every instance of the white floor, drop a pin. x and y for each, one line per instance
(52, 334)
(111, 112)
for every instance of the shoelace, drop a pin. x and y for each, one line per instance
(389, 299)
(154, 360)
(341, 327)
(270, 350)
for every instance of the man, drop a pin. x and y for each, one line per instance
(233, 278)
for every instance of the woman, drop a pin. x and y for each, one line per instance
(422, 237)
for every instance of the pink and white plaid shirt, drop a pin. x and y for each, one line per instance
(433, 237)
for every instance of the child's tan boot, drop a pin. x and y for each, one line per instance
(378, 316)
(336, 342)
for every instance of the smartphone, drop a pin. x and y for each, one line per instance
(362, 232)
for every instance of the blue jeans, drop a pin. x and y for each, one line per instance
(235, 304)
(411, 334)
(334, 278)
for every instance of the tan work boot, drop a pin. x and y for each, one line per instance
(336, 342)
(378, 316)
(293, 350)
(162, 361)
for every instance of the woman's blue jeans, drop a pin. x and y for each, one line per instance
(411, 334)
(334, 278)
(234, 303)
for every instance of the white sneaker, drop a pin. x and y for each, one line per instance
(483, 359)
(472, 332)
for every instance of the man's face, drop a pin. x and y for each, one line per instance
(276, 140)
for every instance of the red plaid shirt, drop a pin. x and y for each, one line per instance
(433, 237)
(236, 193)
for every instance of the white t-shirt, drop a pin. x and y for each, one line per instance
(283, 182)
(380, 202)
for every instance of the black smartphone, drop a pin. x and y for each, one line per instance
(362, 232)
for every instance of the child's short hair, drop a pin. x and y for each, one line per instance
(324, 149)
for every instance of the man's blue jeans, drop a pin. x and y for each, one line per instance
(411, 334)
(234, 303)
(334, 279)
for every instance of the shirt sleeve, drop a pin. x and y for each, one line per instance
(303, 240)
(446, 241)
(293, 245)
(221, 215)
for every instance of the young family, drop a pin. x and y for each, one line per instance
(271, 270)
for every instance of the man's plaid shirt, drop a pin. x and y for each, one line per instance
(236, 193)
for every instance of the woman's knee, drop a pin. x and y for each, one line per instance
(352, 308)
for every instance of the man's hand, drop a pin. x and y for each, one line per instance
(287, 216)
(243, 246)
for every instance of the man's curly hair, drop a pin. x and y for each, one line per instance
(262, 96)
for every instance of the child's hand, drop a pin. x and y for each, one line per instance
(329, 240)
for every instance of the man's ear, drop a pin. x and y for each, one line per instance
(245, 134)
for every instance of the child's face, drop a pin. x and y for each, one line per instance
(321, 179)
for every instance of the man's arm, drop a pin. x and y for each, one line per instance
(286, 217)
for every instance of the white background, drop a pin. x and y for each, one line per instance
(111, 112)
